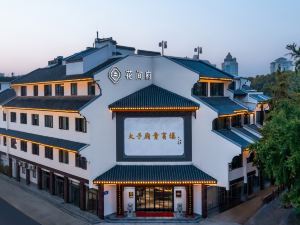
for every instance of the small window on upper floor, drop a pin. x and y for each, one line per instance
(216, 89)
(48, 152)
(80, 124)
(91, 88)
(4, 141)
(13, 143)
(63, 156)
(4, 116)
(200, 89)
(73, 88)
(47, 90)
(80, 161)
(59, 90)
(23, 91)
(64, 123)
(35, 90)
(48, 121)
(35, 149)
(13, 117)
(24, 146)
(23, 118)
(35, 119)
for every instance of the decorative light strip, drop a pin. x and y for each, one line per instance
(40, 109)
(34, 142)
(54, 81)
(236, 114)
(212, 78)
(156, 182)
(130, 109)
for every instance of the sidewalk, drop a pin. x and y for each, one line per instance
(34, 206)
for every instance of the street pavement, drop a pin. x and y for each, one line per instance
(11, 216)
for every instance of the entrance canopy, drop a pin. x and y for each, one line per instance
(155, 174)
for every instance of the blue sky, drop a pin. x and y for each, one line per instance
(256, 31)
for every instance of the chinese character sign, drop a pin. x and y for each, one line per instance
(154, 136)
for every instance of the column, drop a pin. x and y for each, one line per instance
(18, 178)
(82, 195)
(52, 183)
(101, 201)
(204, 200)
(189, 200)
(10, 167)
(245, 186)
(120, 205)
(27, 176)
(66, 189)
(39, 178)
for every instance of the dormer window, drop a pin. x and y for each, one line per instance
(48, 90)
(91, 88)
(23, 90)
(35, 90)
(73, 89)
(200, 89)
(216, 89)
(59, 90)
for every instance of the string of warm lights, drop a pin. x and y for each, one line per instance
(157, 182)
(54, 81)
(130, 109)
(41, 109)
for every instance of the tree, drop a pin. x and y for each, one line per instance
(295, 53)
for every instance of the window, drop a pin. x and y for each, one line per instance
(80, 161)
(4, 140)
(59, 90)
(48, 121)
(48, 90)
(35, 149)
(4, 116)
(236, 121)
(63, 156)
(246, 119)
(80, 124)
(48, 152)
(200, 89)
(23, 90)
(23, 118)
(73, 88)
(34, 173)
(216, 89)
(23, 170)
(221, 123)
(64, 123)
(35, 119)
(13, 143)
(35, 90)
(13, 117)
(24, 146)
(237, 162)
(91, 88)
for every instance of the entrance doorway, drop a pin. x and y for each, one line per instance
(154, 199)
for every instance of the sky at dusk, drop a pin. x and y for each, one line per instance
(255, 32)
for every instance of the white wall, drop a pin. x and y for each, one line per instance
(181, 200)
(197, 199)
(110, 202)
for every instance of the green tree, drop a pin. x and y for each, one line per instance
(295, 53)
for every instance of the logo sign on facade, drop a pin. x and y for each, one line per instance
(105, 193)
(115, 75)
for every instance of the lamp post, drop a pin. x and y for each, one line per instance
(198, 51)
(163, 45)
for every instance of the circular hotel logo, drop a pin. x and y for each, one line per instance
(114, 75)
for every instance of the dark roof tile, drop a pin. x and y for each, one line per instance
(7, 95)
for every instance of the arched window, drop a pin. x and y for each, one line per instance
(237, 162)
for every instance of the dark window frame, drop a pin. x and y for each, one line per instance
(63, 156)
(47, 90)
(35, 149)
(80, 125)
(23, 146)
(49, 152)
(48, 121)
(35, 90)
(80, 161)
(63, 122)
(23, 118)
(216, 89)
(13, 143)
(91, 88)
(13, 117)
(23, 90)
(74, 89)
(59, 90)
(4, 141)
(4, 116)
(35, 119)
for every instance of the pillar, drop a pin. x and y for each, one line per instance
(66, 189)
(262, 114)
(18, 178)
(204, 200)
(27, 176)
(10, 167)
(39, 178)
(245, 186)
(82, 195)
(52, 183)
(120, 201)
(101, 201)
(189, 200)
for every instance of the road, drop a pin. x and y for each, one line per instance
(12, 216)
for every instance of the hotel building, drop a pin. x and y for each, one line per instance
(111, 129)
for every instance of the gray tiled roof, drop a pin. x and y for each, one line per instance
(153, 97)
(7, 95)
(74, 103)
(254, 128)
(152, 173)
(260, 97)
(58, 72)
(45, 140)
(80, 55)
(247, 133)
(7, 79)
(234, 138)
(201, 68)
(222, 105)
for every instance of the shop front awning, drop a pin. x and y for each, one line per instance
(155, 174)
